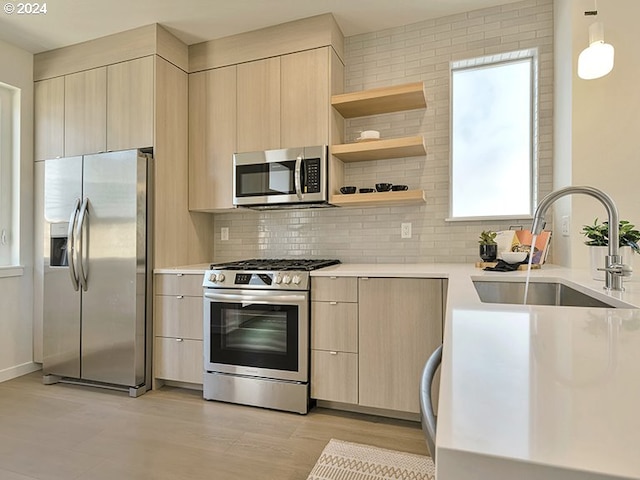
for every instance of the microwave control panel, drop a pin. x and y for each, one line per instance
(312, 166)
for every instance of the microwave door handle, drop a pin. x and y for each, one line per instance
(296, 175)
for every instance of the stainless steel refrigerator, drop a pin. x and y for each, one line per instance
(97, 277)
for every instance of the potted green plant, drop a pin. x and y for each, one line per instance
(598, 239)
(488, 246)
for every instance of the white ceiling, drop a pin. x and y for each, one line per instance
(72, 21)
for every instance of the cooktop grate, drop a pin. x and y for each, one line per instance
(274, 264)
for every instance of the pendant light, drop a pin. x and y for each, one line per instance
(596, 60)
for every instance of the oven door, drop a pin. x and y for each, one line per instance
(257, 333)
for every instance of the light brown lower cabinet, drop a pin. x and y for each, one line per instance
(370, 339)
(178, 328)
(336, 327)
(179, 359)
(334, 376)
(400, 324)
(334, 339)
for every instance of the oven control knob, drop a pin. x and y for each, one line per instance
(296, 279)
(221, 277)
(278, 279)
(286, 280)
(212, 277)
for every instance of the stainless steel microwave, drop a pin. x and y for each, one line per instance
(285, 178)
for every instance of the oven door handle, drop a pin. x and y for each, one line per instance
(261, 299)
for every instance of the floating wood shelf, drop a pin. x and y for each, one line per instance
(396, 98)
(379, 199)
(380, 149)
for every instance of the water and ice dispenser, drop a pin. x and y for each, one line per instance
(58, 240)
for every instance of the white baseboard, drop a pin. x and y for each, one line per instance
(18, 371)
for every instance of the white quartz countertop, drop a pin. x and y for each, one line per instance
(535, 392)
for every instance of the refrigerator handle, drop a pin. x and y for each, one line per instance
(79, 237)
(71, 245)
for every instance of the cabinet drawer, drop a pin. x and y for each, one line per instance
(181, 361)
(178, 284)
(334, 326)
(334, 376)
(334, 289)
(178, 316)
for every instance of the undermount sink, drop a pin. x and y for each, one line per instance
(540, 293)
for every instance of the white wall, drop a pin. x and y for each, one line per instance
(563, 79)
(603, 146)
(16, 293)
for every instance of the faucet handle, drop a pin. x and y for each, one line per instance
(618, 269)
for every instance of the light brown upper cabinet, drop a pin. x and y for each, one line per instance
(285, 101)
(259, 105)
(212, 138)
(85, 112)
(278, 102)
(130, 104)
(102, 109)
(305, 94)
(49, 118)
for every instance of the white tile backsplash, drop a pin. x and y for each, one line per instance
(416, 52)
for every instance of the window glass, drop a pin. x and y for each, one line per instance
(9, 108)
(492, 136)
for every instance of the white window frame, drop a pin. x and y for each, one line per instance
(9, 178)
(487, 62)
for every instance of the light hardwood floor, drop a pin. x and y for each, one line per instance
(69, 432)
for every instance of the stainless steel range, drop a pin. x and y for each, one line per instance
(256, 332)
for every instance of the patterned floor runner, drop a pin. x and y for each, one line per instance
(353, 461)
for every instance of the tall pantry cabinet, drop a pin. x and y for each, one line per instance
(124, 91)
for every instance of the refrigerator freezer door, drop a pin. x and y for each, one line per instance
(61, 311)
(114, 263)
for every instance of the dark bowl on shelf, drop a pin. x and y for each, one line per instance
(367, 190)
(348, 190)
(399, 188)
(383, 187)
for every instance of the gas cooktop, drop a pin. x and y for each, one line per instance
(264, 273)
(274, 264)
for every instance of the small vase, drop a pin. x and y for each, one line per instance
(488, 253)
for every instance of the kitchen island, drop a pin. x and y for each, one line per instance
(534, 392)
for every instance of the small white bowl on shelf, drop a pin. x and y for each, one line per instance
(514, 257)
(368, 136)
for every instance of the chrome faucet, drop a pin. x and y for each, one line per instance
(614, 268)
